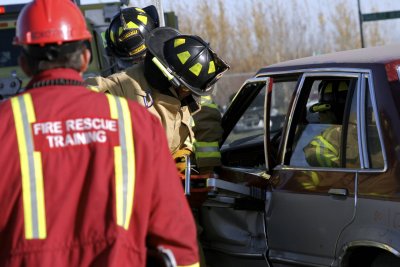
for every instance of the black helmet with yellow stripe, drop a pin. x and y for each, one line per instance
(186, 60)
(125, 36)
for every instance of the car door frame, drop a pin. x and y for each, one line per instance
(280, 196)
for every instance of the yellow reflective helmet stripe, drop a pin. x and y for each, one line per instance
(131, 25)
(211, 67)
(31, 169)
(124, 160)
(184, 56)
(179, 41)
(142, 19)
(196, 69)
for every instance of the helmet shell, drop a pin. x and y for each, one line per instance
(50, 21)
(189, 59)
(126, 34)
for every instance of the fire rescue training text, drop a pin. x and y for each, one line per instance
(72, 132)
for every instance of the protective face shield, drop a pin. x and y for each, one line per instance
(186, 60)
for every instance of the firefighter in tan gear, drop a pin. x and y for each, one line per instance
(171, 79)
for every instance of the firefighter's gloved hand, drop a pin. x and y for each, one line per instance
(180, 160)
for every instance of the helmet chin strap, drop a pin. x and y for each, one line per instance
(192, 104)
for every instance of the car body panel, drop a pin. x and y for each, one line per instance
(353, 207)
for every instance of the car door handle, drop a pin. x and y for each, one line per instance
(338, 191)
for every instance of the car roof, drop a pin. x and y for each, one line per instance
(349, 58)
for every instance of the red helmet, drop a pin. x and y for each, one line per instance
(50, 21)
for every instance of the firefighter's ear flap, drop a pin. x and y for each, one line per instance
(152, 12)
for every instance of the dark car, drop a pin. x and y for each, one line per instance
(320, 184)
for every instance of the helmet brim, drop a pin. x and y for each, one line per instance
(151, 10)
(156, 40)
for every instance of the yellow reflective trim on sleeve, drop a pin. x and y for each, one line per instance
(196, 69)
(215, 154)
(192, 265)
(124, 160)
(211, 106)
(318, 153)
(206, 144)
(178, 42)
(207, 150)
(31, 169)
(184, 56)
(327, 145)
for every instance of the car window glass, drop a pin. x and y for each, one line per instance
(374, 145)
(250, 127)
(321, 125)
(282, 92)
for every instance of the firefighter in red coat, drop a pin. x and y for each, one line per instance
(87, 178)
